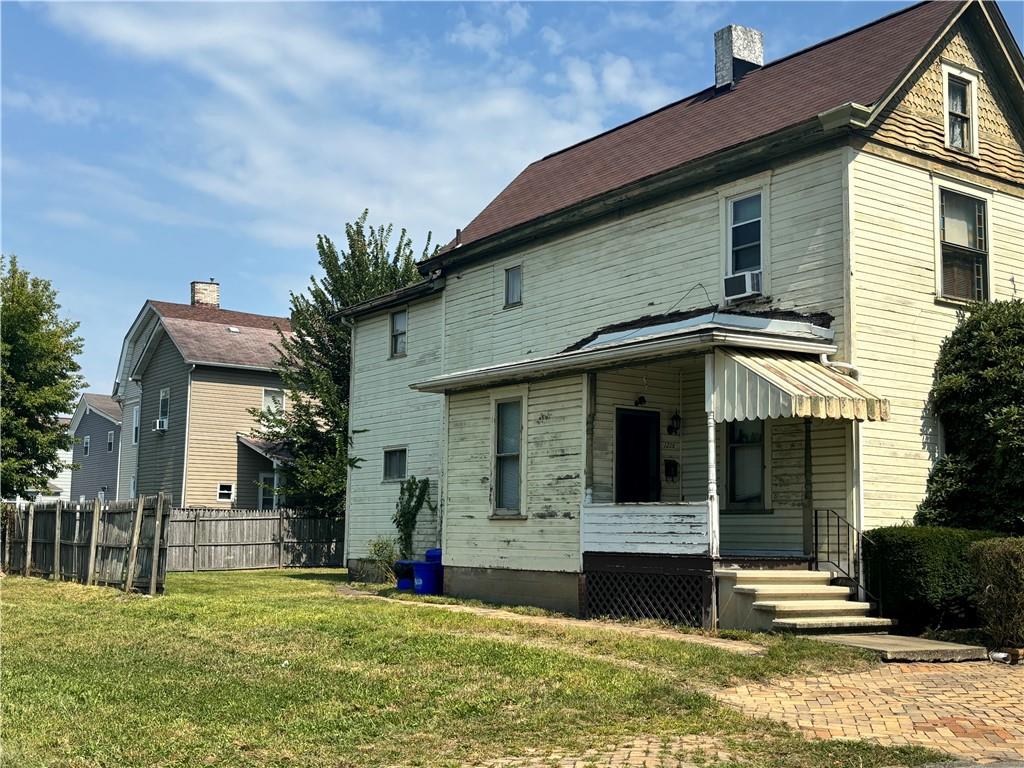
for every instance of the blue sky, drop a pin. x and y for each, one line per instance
(148, 145)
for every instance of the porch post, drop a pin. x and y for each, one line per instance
(590, 404)
(709, 406)
(808, 500)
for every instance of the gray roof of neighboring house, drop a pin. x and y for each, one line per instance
(211, 336)
(103, 404)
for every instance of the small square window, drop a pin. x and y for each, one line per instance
(273, 400)
(110, 441)
(514, 286)
(399, 324)
(225, 492)
(394, 464)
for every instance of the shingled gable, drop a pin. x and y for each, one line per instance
(206, 335)
(861, 67)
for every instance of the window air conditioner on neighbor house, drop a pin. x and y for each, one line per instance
(160, 425)
(742, 285)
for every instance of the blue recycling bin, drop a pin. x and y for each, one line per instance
(433, 555)
(427, 578)
(404, 573)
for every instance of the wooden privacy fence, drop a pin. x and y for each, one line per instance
(111, 543)
(228, 539)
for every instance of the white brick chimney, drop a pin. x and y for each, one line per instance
(738, 50)
(206, 294)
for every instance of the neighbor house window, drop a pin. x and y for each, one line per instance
(513, 286)
(110, 441)
(961, 96)
(85, 445)
(508, 434)
(744, 251)
(225, 492)
(273, 400)
(394, 464)
(135, 427)
(962, 230)
(102, 495)
(268, 490)
(165, 404)
(133, 488)
(745, 464)
(399, 324)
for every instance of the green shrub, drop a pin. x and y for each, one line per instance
(383, 553)
(921, 575)
(998, 566)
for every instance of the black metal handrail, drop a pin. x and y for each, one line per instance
(840, 544)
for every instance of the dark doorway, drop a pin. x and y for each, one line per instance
(637, 456)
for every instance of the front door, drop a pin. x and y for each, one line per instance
(637, 456)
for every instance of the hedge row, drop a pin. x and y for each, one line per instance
(998, 566)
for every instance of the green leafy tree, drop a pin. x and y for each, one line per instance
(40, 380)
(978, 395)
(315, 360)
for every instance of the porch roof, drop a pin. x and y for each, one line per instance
(646, 344)
(762, 384)
(265, 448)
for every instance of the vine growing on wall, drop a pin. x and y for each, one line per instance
(412, 497)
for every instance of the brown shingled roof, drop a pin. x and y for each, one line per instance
(203, 334)
(104, 404)
(860, 66)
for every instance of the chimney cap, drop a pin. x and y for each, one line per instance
(738, 50)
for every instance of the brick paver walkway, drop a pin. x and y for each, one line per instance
(643, 752)
(972, 710)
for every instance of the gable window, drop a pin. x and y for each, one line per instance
(961, 99)
(273, 400)
(745, 234)
(514, 286)
(165, 406)
(962, 231)
(508, 416)
(85, 445)
(225, 492)
(745, 464)
(110, 441)
(135, 427)
(394, 464)
(399, 325)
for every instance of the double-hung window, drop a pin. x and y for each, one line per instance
(135, 427)
(165, 405)
(745, 464)
(85, 445)
(399, 325)
(745, 234)
(394, 464)
(964, 242)
(958, 95)
(225, 492)
(110, 441)
(273, 400)
(513, 286)
(508, 437)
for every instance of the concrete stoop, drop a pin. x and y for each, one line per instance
(791, 601)
(898, 648)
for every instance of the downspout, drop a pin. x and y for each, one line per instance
(835, 365)
(188, 418)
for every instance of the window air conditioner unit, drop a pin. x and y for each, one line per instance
(160, 425)
(742, 285)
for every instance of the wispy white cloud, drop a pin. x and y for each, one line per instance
(52, 103)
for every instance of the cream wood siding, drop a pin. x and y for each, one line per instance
(385, 412)
(162, 454)
(644, 263)
(549, 538)
(899, 326)
(219, 411)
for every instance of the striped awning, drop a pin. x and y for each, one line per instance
(756, 384)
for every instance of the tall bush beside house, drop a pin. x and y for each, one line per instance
(998, 566)
(978, 397)
(921, 575)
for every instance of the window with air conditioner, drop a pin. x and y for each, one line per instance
(744, 240)
(164, 410)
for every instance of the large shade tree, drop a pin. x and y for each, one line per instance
(316, 356)
(40, 380)
(978, 395)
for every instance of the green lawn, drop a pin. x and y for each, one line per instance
(273, 668)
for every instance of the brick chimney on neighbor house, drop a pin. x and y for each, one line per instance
(738, 50)
(206, 294)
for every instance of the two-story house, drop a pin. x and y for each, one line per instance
(667, 361)
(96, 452)
(188, 377)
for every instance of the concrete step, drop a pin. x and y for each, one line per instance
(744, 577)
(832, 624)
(795, 608)
(896, 648)
(762, 592)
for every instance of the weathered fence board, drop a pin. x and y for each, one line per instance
(235, 539)
(93, 545)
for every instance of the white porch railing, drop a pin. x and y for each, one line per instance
(650, 529)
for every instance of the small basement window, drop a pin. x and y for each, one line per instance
(394, 464)
(225, 492)
(514, 286)
(399, 325)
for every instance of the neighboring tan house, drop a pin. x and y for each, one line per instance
(188, 376)
(96, 428)
(702, 343)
